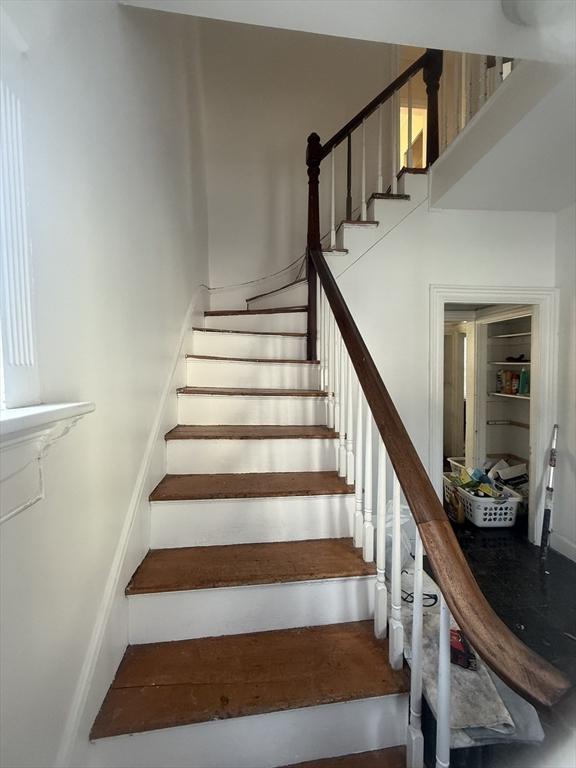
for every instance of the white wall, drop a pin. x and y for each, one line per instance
(266, 90)
(564, 522)
(387, 290)
(117, 213)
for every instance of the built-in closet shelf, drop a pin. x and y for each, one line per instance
(510, 335)
(513, 397)
(508, 362)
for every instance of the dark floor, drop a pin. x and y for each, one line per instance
(539, 605)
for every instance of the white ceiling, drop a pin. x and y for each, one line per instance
(477, 26)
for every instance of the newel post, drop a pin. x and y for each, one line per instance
(313, 159)
(432, 73)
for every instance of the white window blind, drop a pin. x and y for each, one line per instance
(19, 365)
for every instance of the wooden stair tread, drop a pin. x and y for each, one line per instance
(250, 432)
(251, 391)
(162, 685)
(392, 757)
(252, 359)
(251, 333)
(277, 290)
(359, 222)
(252, 485)
(388, 196)
(233, 565)
(273, 311)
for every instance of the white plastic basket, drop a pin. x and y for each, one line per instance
(457, 464)
(486, 512)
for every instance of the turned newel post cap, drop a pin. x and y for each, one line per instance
(313, 149)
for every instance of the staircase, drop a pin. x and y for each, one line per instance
(250, 639)
(260, 630)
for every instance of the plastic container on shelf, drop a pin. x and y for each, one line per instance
(487, 512)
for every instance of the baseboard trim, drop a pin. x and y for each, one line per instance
(80, 709)
(563, 545)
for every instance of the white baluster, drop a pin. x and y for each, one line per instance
(380, 184)
(409, 123)
(363, 215)
(332, 204)
(395, 133)
(336, 364)
(319, 338)
(443, 706)
(343, 403)
(462, 93)
(444, 110)
(415, 739)
(481, 81)
(499, 70)
(396, 640)
(470, 63)
(349, 428)
(395, 123)
(368, 543)
(381, 600)
(330, 403)
(325, 317)
(358, 472)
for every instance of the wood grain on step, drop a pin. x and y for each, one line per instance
(251, 391)
(232, 565)
(393, 757)
(162, 685)
(251, 333)
(252, 485)
(274, 311)
(250, 432)
(253, 359)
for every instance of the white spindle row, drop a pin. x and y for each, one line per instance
(409, 158)
(354, 424)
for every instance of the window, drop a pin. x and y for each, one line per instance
(19, 370)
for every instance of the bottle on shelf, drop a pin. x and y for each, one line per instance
(524, 382)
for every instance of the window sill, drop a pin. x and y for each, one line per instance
(26, 434)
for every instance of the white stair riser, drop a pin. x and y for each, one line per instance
(356, 239)
(388, 213)
(246, 345)
(276, 322)
(293, 296)
(224, 373)
(166, 616)
(222, 456)
(247, 409)
(211, 522)
(415, 185)
(262, 741)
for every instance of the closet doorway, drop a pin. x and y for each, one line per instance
(494, 410)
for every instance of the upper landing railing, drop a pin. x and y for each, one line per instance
(358, 402)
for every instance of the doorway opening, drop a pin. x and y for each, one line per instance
(486, 415)
(485, 391)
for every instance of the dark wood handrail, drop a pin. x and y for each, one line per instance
(520, 668)
(382, 97)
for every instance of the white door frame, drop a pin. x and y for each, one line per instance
(543, 378)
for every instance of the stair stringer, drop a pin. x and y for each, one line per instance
(390, 214)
